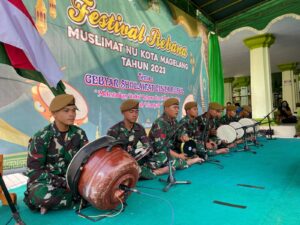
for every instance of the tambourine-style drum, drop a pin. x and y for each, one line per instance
(250, 124)
(226, 133)
(97, 171)
(238, 128)
(189, 148)
(140, 153)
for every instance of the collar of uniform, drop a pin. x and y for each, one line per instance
(56, 132)
(167, 118)
(190, 118)
(135, 126)
(205, 115)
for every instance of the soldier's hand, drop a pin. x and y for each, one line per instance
(211, 145)
(182, 156)
(184, 138)
(222, 151)
(129, 148)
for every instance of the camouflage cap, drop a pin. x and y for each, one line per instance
(190, 105)
(247, 108)
(215, 106)
(171, 101)
(128, 105)
(61, 101)
(231, 108)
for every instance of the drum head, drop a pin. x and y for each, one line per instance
(226, 133)
(247, 122)
(189, 148)
(238, 128)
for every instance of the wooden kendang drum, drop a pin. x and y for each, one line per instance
(97, 171)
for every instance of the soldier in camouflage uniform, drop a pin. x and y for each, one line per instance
(189, 128)
(137, 141)
(50, 152)
(230, 115)
(246, 112)
(163, 134)
(208, 123)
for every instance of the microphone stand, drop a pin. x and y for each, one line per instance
(13, 209)
(269, 132)
(255, 142)
(204, 138)
(246, 147)
(171, 178)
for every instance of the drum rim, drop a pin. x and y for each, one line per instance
(238, 129)
(250, 129)
(73, 185)
(231, 128)
(189, 141)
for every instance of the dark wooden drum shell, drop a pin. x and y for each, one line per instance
(97, 170)
(102, 175)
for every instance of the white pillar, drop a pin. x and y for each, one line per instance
(288, 84)
(260, 74)
(228, 89)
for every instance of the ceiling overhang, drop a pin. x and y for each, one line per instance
(225, 16)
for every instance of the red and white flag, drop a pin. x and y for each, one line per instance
(22, 46)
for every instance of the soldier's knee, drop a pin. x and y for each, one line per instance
(43, 195)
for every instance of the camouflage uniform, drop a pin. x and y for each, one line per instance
(135, 137)
(50, 153)
(212, 123)
(227, 120)
(191, 129)
(161, 140)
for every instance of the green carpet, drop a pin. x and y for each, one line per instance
(275, 167)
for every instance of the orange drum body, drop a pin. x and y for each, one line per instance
(97, 170)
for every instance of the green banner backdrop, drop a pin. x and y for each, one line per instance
(109, 51)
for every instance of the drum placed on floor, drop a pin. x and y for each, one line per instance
(238, 128)
(97, 171)
(226, 133)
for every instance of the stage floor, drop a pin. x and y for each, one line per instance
(273, 196)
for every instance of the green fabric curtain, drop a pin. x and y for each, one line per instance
(216, 80)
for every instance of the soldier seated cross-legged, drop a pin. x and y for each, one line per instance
(209, 122)
(191, 142)
(231, 117)
(137, 142)
(163, 136)
(50, 151)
